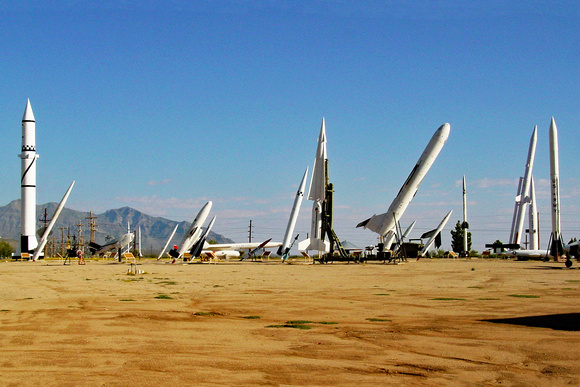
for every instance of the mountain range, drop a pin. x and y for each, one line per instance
(110, 224)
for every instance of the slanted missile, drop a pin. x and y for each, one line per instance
(197, 248)
(317, 193)
(385, 223)
(167, 243)
(28, 241)
(282, 250)
(523, 196)
(435, 233)
(192, 235)
(557, 245)
(46, 233)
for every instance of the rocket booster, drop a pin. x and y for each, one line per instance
(28, 241)
(383, 223)
(465, 225)
(293, 216)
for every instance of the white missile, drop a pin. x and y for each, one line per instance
(556, 247)
(523, 197)
(465, 225)
(167, 243)
(383, 223)
(282, 250)
(197, 248)
(195, 230)
(46, 233)
(533, 218)
(28, 158)
(436, 232)
(317, 193)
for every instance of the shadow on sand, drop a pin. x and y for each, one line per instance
(560, 322)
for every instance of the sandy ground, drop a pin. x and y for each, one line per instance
(432, 322)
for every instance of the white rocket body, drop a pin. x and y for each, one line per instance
(28, 241)
(317, 193)
(524, 198)
(385, 223)
(293, 216)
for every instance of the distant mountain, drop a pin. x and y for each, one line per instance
(111, 224)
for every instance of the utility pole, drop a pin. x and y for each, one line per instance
(250, 233)
(92, 226)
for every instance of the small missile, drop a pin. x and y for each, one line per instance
(46, 233)
(169, 240)
(293, 216)
(383, 223)
(435, 233)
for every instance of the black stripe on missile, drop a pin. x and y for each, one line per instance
(28, 121)
(28, 148)
(33, 186)
(27, 169)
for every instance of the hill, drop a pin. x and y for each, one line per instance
(110, 224)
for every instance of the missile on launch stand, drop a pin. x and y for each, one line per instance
(192, 235)
(533, 218)
(556, 246)
(465, 225)
(45, 235)
(169, 240)
(523, 197)
(197, 248)
(317, 193)
(285, 247)
(28, 241)
(435, 233)
(385, 222)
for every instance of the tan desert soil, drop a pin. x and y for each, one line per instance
(431, 322)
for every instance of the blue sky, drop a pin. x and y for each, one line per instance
(162, 106)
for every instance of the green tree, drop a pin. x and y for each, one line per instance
(457, 238)
(5, 250)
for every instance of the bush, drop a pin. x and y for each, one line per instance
(5, 250)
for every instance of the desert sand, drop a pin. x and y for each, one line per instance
(431, 322)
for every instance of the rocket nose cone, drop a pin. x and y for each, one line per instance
(28, 114)
(444, 130)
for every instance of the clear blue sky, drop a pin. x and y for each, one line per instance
(162, 106)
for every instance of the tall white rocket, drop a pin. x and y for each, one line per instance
(523, 197)
(557, 247)
(465, 225)
(28, 241)
(317, 193)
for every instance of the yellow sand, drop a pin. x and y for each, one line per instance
(419, 323)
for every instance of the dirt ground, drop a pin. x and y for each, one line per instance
(431, 322)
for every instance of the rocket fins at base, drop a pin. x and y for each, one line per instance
(385, 222)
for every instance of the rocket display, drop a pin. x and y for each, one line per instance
(523, 197)
(28, 241)
(317, 193)
(384, 224)
(556, 247)
(285, 247)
